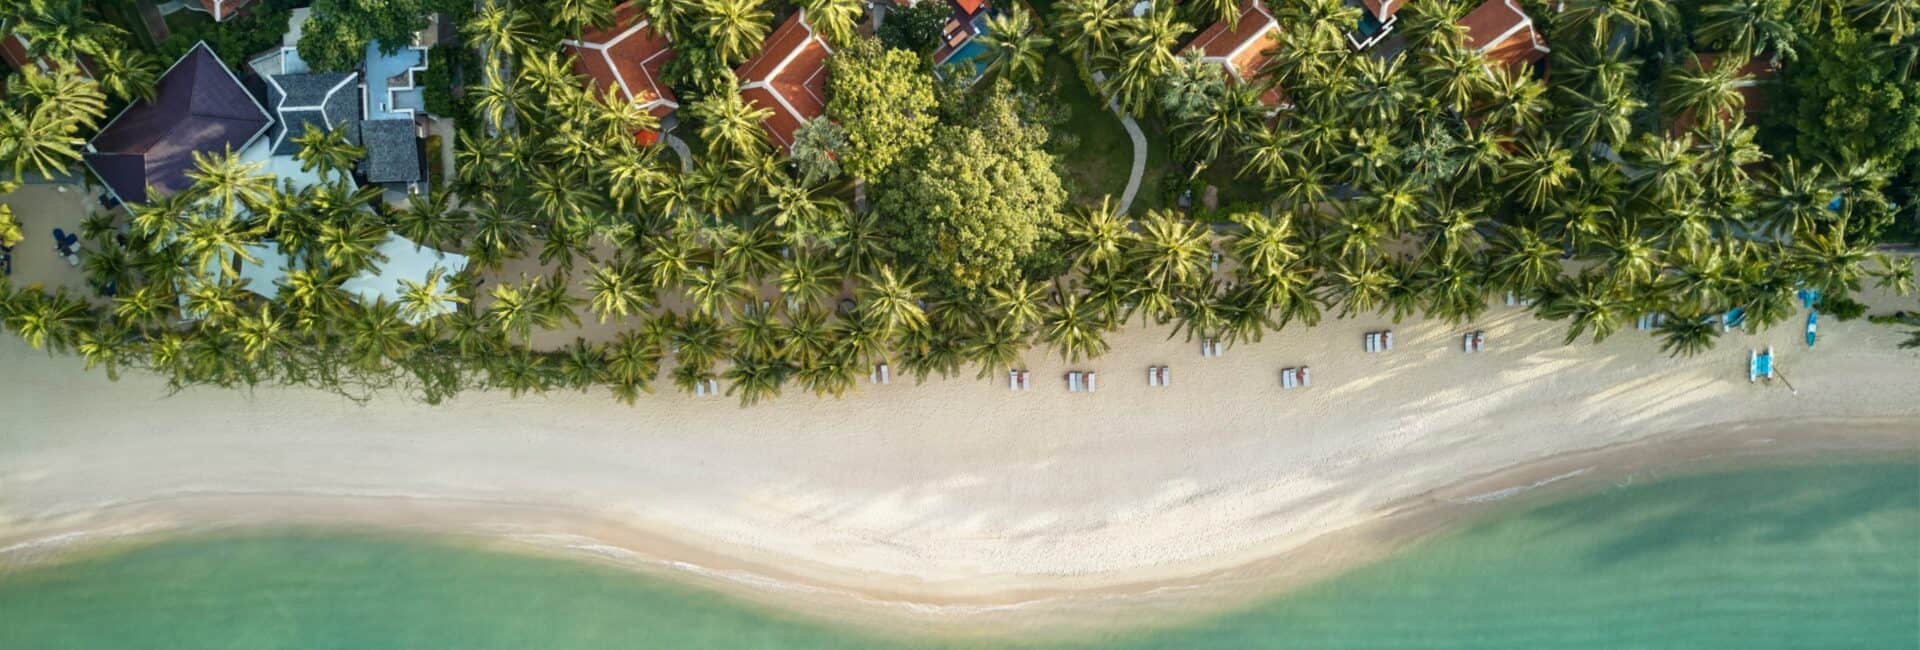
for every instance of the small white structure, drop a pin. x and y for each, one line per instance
(405, 261)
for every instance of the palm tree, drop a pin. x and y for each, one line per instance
(497, 96)
(834, 20)
(1191, 87)
(730, 125)
(1522, 261)
(996, 348)
(829, 375)
(1516, 102)
(423, 302)
(327, 150)
(756, 379)
(733, 27)
(1020, 304)
(47, 319)
(1591, 302)
(1171, 251)
(1074, 330)
(1604, 17)
(1688, 334)
(1380, 91)
(573, 16)
(1605, 115)
(616, 290)
(1706, 92)
(1748, 27)
(808, 279)
(126, 73)
(1145, 54)
(1013, 46)
(1539, 171)
(1725, 151)
(1088, 29)
(501, 30)
(229, 181)
(1455, 76)
(351, 244)
(62, 30)
(1237, 112)
(1829, 261)
(1897, 19)
(1699, 279)
(805, 337)
(893, 300)
(1895, 274)
(1096, 237)
(1794, 198)
(430, 219)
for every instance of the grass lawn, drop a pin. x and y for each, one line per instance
(186, 20)
(1099, 163)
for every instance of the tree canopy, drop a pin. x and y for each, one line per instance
(883, 98)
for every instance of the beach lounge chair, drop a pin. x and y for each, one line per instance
(1286, 378)
(1153, 376)
(1372, 342)
(1092, 381)
(1305, 379)
(1166, 376)
(1386, 339)
(700, 389)
(1466, 342)
(1216, 348)
(1206, 347)
(713, 387)
(1026, 380)
(1013, 380)
(886, 374)
(1073, 382)
(1479, 341)
(1813, 327)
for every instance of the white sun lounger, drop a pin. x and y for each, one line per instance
(1091, 383)
(886, 374)
(1073, 382)
(1216, 348)
(1305, 379)
(1153, 376)
(713, 386)
(1479, 341)
(1511, 301)
(1386, 339)
(1466, 342)
(1166, 376)
(700, 389)
(1013, 380)
(1026, 380)
(1372, 342)
(1286, 378)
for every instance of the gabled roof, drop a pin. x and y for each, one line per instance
(788, 77)
(1383, 9)
(222, 9)
(325, 100)
(1243, 49)
(627, 57)
(199, 106)
(1499, 30)
(393, 151)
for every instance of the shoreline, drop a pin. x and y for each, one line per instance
(950, 504)
(1033, 614)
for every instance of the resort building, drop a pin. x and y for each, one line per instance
(626, 59)
(1243, 49)
(16, 52)
(969, 20)
(1501, 32)
(219, 9)
(408, 261)
(325, 101)
(787, 77)
(199, 106)
(1377, 18)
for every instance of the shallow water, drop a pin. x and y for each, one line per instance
(1807, 557)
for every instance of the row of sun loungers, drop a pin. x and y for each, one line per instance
(1650, 321)
(1019, 380)
(1157, 376)
(1475, 341)
(1516, 300)
(1210, 347)
(1081, 382)
(1291, 378)
(706, 387)
(1380, 341)
(881, 375)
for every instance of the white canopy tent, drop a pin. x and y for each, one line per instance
(405, 261)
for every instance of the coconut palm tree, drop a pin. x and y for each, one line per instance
(1171, 251)
(230, 182)
(421, 303)
(500, 229)
(1897, 19)
(1381, 92)
(1605, 18)
(1706, 92)
(1097, 237)
(1520, 260)
(1454, 76)
(1074, 330)
(1538, 171)
(126, 73)
(1267, 245)
(1794, 198)
(1516, 103)
(733, 27)
(327, 150)
(1748, 27)
(1830, 261)
(62, 30)
(729, 125)
(1145, 53)
(1591, 303)
(1699, 279)
(430, 219)
(892, 300)
(1895, 274)
(1190, 88)
(47, 319)
(351, 244)
(1088, 29)
(1360, 284)
(1604, 115)
(501, 30)
(1014, 48)
(1688, 334)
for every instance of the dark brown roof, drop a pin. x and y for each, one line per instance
(787, 77)
(199, 106)
(223, 9)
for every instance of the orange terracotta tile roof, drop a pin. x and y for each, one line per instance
(1243, 49)
(971, 7)
(1503, 33)
(787, 77)
(626, 58)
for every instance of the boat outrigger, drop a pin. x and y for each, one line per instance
(1759, 365)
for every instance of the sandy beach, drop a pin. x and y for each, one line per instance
(958, 500)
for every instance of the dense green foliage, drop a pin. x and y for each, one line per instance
(916, 28)
(260, 28)
(337, 32)
(1628, 181)
(884, 99)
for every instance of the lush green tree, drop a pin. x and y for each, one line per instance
(980, 205)
(45, 115)
(1014, 47)
(1839, 97)
(834, 20)
(884, 100)
(916, 28)
(62, 30)
(1749, 27)
(337, 32)
(327, 151)
(818, 146)
(734, 28)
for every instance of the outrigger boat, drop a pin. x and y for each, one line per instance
(1813, 327)
(1759, 365)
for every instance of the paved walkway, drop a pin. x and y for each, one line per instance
(1139, 150)
(680, 149)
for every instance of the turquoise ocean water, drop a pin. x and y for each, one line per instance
(1808, 557)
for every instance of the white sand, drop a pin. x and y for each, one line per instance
(955, 492)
